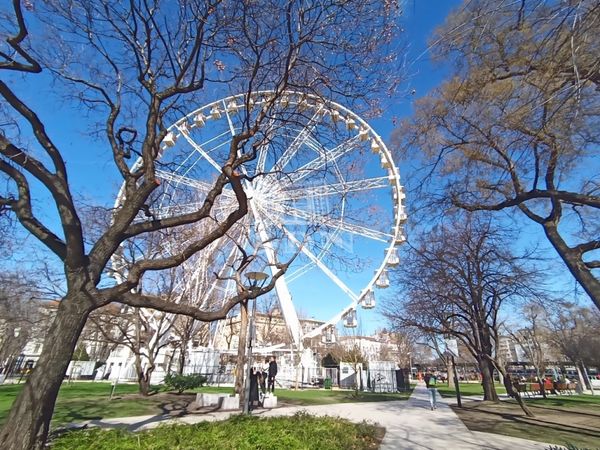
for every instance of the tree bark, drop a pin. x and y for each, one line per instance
(574, 262)
(28, 422)
(487, 380)
(144, 381)
(181, 359)
(143, 375)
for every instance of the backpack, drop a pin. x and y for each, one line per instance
(430, 381)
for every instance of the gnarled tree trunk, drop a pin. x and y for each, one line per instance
(510, 384)
(144, 374)
(487, 379)
(27, 425)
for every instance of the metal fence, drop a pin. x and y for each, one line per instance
(319, 377)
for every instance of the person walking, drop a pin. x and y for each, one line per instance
(431, 382)
(272, 375)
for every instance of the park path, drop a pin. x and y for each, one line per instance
(409, 424)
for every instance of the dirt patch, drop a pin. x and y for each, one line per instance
(168, 402)
(576, 425)
(162, 396)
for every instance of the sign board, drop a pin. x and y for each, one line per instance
(79, 369)
(382, 376)
(348, 377)
(452, 347)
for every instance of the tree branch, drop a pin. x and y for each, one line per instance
(22, 208)
(15, 43)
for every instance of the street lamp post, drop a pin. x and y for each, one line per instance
(257, 280)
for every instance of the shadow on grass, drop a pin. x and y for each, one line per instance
(79, 410)
(484, 424)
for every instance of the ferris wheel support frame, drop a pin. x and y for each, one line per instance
(283, 293)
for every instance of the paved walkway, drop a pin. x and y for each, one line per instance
(409, 424)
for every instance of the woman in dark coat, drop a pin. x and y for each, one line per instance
(254, 382)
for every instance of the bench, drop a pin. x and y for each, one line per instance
(562, 388)
(535, 388)
(522, 389)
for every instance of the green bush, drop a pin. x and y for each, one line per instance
(298, 432)
(156, 388)
(182, 382)
(327, 383)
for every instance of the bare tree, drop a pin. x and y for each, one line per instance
(187, 331)
(455, 282)
(532, 337)
(145, 62)
(143, 331)
(270, 326)
(400, 346)
(574, 332)
(515, 126)
(22, 317)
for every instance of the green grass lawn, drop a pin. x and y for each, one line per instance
(82, 401)
(558, 420)
(301, 431)
(321, 396)
(566, 401)
(467, 389)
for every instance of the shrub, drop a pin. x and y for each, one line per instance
(298, 432)
(327, 383)
(182, 382)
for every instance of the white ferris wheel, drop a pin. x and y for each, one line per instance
(323, 186)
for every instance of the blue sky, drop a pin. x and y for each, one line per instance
(420, 20)
(94, 179)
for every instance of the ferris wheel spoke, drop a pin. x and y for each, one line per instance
(218, 280)
(325, 157)
(229, 290)
(199, 149)
(197, 184)
(299, 272)
(264, 149)
(315, 218)
(285, 298)
(320, 264)
(304, 134)
(167, 211)
(337, 188)
(334, 320)
(291, 276)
